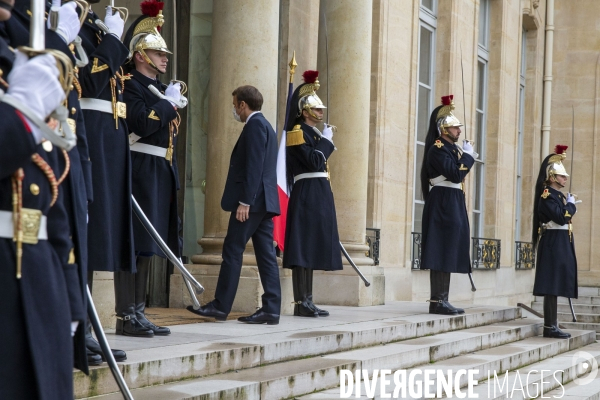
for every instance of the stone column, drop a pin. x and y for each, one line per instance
(346, 27)
(245, 39)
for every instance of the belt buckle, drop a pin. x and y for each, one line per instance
(31, 221)
(121, 109)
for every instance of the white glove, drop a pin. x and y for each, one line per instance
(114, 22)
(68, 22)
(173, 91)
(74, 326)
(468, 148)
(328, 133)
(34, 82)
(570, 198)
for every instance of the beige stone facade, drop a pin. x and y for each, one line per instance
(381, 78)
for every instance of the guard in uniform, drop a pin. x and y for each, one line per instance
(39, 284)
(556, 263)
(311, 239)
(102, 84)
(445, 243)
(152, 123)
(76, 166)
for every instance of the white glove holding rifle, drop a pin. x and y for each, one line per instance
(114, 23)
(68, 20)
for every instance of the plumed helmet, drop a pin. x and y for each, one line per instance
(555, 165)
(144, 32)
(307, 96)
(445, 117)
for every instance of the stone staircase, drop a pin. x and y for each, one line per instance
(303, 357)
(586, 307)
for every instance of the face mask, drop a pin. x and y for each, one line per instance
(235, 115)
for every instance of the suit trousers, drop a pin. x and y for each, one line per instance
(259, 227)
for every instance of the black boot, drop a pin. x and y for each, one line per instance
(301, 306)
(446, 279)
(141, 283)
(127, 324)
(439, 294)
(309, 284)
(551, 329)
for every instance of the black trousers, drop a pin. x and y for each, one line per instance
(259, 227)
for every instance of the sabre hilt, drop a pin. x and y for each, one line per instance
(179, 103)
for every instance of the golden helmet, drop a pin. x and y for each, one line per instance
(555, 165)
(307, 97)
(445, 118)
(144, 33)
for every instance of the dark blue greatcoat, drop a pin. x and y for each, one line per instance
(556, 263)
(77, 187)
(155, 181)
(446, 235)
(110, 215)
(311, 235)
(36, 311)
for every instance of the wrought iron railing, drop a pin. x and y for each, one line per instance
(486, 253)
(415, 253)
(524, 255)
(373, 239)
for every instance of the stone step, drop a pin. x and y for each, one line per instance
(588, 291)
(297, 377)
(589, 300)
(202, 350)
(578, 308)
(581, 318)
(577, 391)
(521, 354)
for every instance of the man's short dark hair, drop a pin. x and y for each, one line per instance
(250, 95)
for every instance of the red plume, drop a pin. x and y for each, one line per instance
(310, 76)
(560, 149)
(151, 8)
(446, 100)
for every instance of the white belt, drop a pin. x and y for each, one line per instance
(310, 175)
(149, 149)
(447, 184)
(554, 225)
(104, 106)
(7, 230)
(437, 179)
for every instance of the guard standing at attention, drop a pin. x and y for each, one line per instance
(74, 167)
(311, 239)
(39, 284)
(152, 123)
(446, 236)
(556, 263)
(102, 85)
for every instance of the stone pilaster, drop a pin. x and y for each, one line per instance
(346, 26)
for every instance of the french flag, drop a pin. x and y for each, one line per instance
(282, 189)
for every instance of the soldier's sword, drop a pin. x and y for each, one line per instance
(570, 182)
(190, 282)
(110, 359)
(367, 283)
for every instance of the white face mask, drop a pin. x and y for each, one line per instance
(235, 115)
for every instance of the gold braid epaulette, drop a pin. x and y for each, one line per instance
(295, 137)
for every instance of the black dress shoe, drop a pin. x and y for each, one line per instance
(261, 317)
(158, 330)
(209, 310)
(555, 332)
(320, 312)
(93, 358)
(93, 346)
(130, 326)
(458, 310)
(305, 310)
(441, 307)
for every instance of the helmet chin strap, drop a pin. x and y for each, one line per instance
(149, 61)
(312, 114)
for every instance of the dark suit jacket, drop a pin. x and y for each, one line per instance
(252, 176)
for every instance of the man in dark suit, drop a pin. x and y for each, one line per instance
(251, 196)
